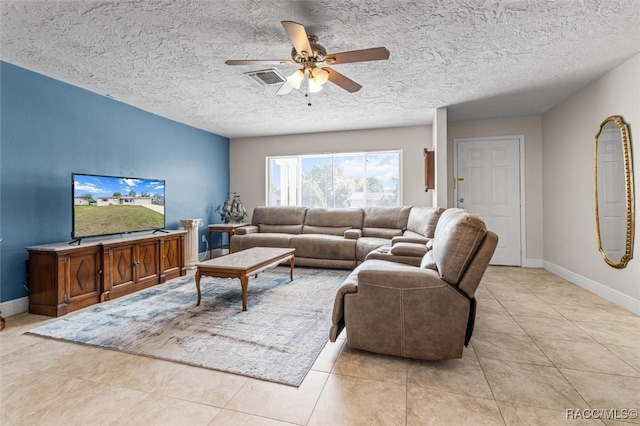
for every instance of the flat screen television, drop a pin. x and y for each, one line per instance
(107, 205)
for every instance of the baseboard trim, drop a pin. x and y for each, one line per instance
(533, 263)
(614, 296)
(14, 307)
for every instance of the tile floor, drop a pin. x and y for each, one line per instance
(542, 346)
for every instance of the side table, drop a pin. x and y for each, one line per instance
(223, 228)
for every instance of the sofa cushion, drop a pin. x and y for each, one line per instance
(321, 246)
(278, 215)
(386, 217)
(284, 229)
(366, 245)
(327, 230)
(387, 233)
(428, 262)
(423, 220)
(457, 237)
(333, 218)
(353, 234)
(259, 239)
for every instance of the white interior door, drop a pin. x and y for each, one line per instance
(487, 181)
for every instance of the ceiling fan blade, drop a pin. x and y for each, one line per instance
(298, 36)
(340, 80)
(372, 54)
(285, 89)
(259, 62)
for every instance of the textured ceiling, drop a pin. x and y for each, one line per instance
(480, 58)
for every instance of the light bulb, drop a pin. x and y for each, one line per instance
(320, 76)
(295, 79)
(314, 86)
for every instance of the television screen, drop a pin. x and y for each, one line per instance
(105, 205)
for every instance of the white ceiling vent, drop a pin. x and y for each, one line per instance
(270, 76)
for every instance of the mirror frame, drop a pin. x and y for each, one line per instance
(629, 191)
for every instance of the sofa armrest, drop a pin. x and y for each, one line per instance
(243, 230)
(409, 239)
(353, 234)
(383, 273)
(409, 249)
(338, 310)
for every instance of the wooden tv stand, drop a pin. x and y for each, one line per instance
(64, 278)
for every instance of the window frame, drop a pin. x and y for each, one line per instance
(298, 159)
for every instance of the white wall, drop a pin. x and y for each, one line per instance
(531, 128)
(247, 157)
(567, 156)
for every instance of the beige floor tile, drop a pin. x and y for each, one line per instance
(587, 356)
(10, 343)
(295, 404)
(159, 410)
(615, 315)
(368, 365)
(573, 297)
(353, 401)
(558, 328)
(463, 376)
(327, 358)
(55, 399)
(529, 308)
(522, 415)
(430, 407)
(30, 393)
(491, 306)
(528, 384)
(132, 371)
(610, 333)
(606, 391)
(508, 347)
(21, 323)
(496, 323)
(46, 355)
(200, 385)
(482, 293)
(88, 403)
(234, 418)
(629, 354)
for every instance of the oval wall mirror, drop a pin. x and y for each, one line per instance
(614, 193)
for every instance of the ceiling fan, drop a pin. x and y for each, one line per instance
(313, 60)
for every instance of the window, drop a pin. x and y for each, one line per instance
(359, 179)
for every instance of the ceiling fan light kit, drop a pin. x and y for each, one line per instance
(312, 60)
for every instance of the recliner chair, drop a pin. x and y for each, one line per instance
(424, 312)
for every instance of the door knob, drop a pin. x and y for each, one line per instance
(461, 200)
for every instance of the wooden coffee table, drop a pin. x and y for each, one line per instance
(242, 264)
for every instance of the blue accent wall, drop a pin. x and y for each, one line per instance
(49, 129)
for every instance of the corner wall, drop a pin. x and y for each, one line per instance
(50, 129)
(569, 130)
(247, 158)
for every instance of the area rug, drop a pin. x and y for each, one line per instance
(277, 339)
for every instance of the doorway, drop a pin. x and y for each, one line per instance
(488, 181)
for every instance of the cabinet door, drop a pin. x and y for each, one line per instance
(122, 266)
(83, 279)
(147, 262)
(173, 257)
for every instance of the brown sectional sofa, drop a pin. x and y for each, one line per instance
(335, 238)
(425, 311)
